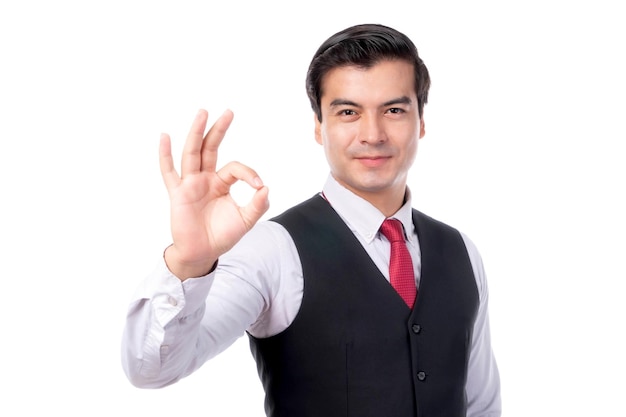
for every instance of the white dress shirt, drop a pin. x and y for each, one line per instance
(173, 327)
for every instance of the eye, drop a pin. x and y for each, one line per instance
(396, 110)
(347, 115)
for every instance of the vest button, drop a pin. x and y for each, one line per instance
(416, 328)
(421, 376)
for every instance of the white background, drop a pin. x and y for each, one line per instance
(524, 152)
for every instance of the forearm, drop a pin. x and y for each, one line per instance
(173, 327)
(162, 330)
(483, 379)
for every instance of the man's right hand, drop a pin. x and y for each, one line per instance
(205, 220)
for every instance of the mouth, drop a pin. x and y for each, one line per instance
(372, 161)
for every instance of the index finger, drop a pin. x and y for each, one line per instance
(213, 139)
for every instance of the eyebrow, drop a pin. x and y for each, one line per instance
(399, 100)
(346, 102)
(343, 102)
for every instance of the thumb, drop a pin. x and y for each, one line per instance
(256, 207)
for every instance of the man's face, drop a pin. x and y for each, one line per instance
(370, 128)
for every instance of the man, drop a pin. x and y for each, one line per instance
(313, 287)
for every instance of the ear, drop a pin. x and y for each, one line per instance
(318, 130)
(422, 130)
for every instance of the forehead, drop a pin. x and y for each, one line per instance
(381, 82)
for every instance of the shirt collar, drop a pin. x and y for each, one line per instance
(361, 216)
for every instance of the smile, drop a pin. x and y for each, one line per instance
(373, 161)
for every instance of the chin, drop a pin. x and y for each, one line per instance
(373, 187)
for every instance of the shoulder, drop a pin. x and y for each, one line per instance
(426, 220)
(307, 209)
(472, 250)
(477, 265)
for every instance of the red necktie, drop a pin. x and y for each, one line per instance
(401, 273)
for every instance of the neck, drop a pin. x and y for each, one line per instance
(387, 203)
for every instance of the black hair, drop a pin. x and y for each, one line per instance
(364, 46)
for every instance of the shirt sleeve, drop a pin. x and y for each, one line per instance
(164, 313)
(174, 327)
(483, 379)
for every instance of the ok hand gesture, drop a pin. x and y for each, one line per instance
(205, 220)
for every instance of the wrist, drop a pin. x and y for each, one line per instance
(184, 269)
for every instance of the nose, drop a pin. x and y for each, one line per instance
(372, 130)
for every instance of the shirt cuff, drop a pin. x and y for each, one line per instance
(170, 297)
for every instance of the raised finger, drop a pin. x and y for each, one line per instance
(166, 164)
(213, 139)
(191, 162)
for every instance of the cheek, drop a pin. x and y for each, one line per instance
(331, 140)
(331, 151)
(411, 151)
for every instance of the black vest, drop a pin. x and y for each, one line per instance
(355, 348)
